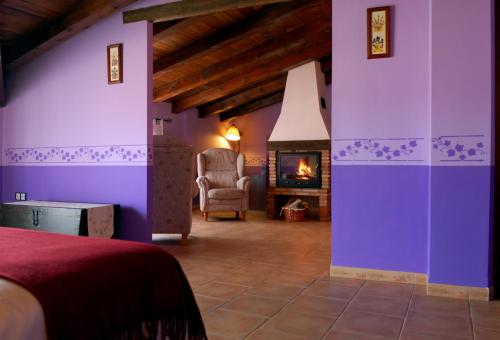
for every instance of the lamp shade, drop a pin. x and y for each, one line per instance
(233, 133)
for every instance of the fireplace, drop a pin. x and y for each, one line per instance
(298, 169)
(299, 146)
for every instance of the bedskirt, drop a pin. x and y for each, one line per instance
(101, 289)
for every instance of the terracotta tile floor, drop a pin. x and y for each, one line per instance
(264, 279)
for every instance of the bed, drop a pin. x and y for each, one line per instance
(56, 286)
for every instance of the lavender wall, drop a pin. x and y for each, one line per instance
(117, 184)
(381, 98)
(68, 135)
(380, 217)
(380, 125)
(255, 128)
(460, 220)
(412, 139)
(461, 158)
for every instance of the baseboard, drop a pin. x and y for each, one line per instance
(459, 292)
(378, 275)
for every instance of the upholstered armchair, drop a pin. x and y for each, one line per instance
(221, 182)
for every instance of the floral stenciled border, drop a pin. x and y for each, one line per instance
(255, 160)
(377, 150)
(141, 153)
(460, 148)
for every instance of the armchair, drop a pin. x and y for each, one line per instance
(221, 182)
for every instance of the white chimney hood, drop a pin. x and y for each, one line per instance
(303, 112)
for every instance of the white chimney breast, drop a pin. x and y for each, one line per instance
(302, 116)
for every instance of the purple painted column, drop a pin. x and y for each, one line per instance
(411, 148)
(380, 141)
(461, 181)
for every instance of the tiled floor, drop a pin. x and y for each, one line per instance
(265, 279)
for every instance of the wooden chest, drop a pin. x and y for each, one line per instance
(84, 219)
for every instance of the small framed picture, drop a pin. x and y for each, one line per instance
(115, 64)
(379, 32)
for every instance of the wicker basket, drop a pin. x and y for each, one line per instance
(294, 215)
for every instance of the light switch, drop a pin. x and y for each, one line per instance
(157, 127)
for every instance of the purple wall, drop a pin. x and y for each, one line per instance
(411, 174)
(125, 185)
(379, 217)
(68, 135)
(459, 248)
(462, 111)
(380, 124)
(381, 98)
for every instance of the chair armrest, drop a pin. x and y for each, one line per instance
(243, 183)
(203, 183)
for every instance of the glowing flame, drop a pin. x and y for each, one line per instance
(304, 171)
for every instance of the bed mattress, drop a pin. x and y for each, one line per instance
(21, 315)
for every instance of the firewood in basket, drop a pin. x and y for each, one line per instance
(295, 204)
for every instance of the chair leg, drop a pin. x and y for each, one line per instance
(244, 215)
(184, 239)
(205, 216)
(237, 215)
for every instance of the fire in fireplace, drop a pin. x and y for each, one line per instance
(299, 169)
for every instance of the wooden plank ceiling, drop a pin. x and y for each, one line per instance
(233, 62)
(30, 27)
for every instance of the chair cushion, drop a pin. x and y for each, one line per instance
(221, 167)
(222, 179)
(226, 193)
(220, 159)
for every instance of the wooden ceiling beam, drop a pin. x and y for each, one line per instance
(189, 8)
(78, 18)
(269, 99)
(264, 22)
(278, 47)
(308, 51)
(241, 98)
(254, 93)
(326, 63)
(253, 106)
(326, 68)
(164, 26)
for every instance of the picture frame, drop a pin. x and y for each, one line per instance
(378, 23)
(115, 63)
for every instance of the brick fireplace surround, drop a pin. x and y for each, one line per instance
(323, 193)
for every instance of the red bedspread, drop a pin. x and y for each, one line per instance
(101, 289)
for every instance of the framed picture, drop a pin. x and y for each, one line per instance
(115, 64)
(379, 32)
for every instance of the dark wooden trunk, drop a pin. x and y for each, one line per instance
(70, 221)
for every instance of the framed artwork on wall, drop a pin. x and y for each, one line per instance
(115, 64)
(378, 23)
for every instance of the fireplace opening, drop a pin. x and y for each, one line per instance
(299, 169)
